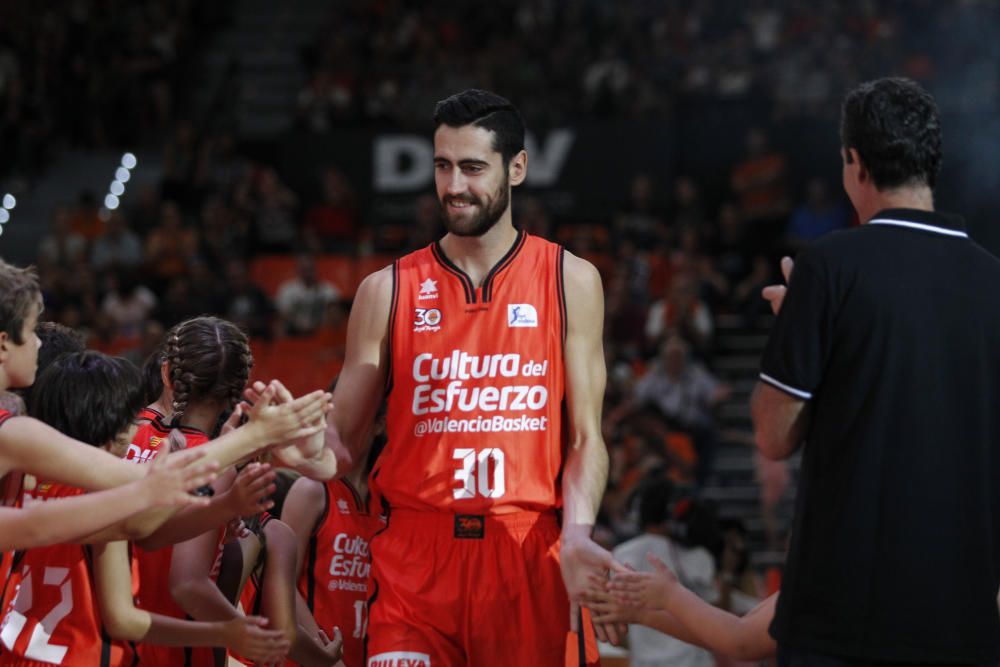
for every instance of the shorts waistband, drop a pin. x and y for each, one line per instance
(446, 520)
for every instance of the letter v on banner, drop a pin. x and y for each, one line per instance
(546, 163)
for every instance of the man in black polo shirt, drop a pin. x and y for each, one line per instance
(885, 361)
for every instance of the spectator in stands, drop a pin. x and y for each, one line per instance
(759, 181)
(86, 219)
(271, 205)
(303, 300)
(693, 565)
(642, 221)
(247, 305)
(170, 246)
(331, 225)
(118, 247)
(681, 311)
(685, 394)
(62, 246)
(225, 233)
(819, 214)
(127, 304)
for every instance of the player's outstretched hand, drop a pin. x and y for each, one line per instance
(585, 567)
(775, 294)
(334, 647)
(172, 475)
(290, 420)
(648, 590)
(295, 454)
(608, 609)
(251, 491)
(248, 636)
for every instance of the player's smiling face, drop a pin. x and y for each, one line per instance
(473, 187)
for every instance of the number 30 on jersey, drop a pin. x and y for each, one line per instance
(480, 472)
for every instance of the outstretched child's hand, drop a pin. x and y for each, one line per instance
(334, 647)
(648, 590)
(251, 491)
(285, 421)
(609, 609)
(247, 636)
(294, 453)
(172, 475)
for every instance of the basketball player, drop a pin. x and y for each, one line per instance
(481, 340)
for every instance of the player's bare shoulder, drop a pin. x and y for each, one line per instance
(584, 290)
(373, 302)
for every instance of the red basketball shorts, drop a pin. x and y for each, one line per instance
(454, 591)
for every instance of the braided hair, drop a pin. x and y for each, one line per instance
(208, 359)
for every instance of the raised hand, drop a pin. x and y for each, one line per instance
(172, 475)
(295, 453)
(247, 636)
(608, 609)
(251, 490)
(775, 294)
(585, 567)
(284, 422)
(648, 590)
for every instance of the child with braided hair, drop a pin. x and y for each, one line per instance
(205, 366)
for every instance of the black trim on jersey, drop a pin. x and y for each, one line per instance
(470, 289)
(561, 292)
(442, 259)
(359, 502)
(314, 548)
(374, 594)
(160, 422)
(581, 645)
(393, 307)
(502, 264)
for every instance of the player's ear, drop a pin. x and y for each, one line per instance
(517, 170)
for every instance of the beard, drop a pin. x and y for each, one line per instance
(487, 216)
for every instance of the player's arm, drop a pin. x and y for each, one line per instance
(34, 447)
(362, 380)
(73, 519)
(123, 621)
(585, 471)
(235, 495)
(302, 509)
(278, 599)
(780, 421)
(191, 583)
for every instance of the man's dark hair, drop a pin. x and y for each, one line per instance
(488, 111)
(895, 127)
(654, 502)
(88, 396)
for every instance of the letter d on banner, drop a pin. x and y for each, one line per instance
(403, 162)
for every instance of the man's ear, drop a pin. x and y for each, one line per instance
(517, 170)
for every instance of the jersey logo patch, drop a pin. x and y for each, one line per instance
(428, 290)
(400, 659)
(426, 319)
(521, 315)
(469, 527)
(343, 507)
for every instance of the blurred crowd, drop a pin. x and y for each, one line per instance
(388, 61)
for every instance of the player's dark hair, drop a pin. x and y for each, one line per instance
(488, 111)
(152, 379)
(57, 340)
(895, 127)
(19, 291)
(208, 359)
(654, 502)
(88, 395)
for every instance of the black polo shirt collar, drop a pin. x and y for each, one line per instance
(926, 221)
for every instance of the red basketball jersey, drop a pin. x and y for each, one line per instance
(476, 384)
(154, 566)
(53, 618)
(335, 574)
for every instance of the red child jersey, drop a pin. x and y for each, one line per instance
(336, 571)
(476, 384)
(154, 566)
(9, 487)
(53, 618)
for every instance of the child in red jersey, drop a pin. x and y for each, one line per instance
(72, 602)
